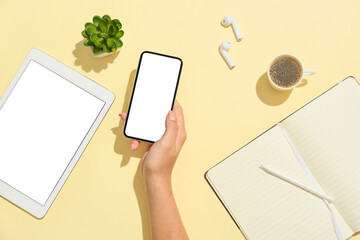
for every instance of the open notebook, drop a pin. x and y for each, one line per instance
(326, 133)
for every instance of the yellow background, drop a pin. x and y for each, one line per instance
(224, 109)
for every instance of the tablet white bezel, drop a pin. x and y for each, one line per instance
(17, 197)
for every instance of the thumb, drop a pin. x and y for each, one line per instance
(170, 134)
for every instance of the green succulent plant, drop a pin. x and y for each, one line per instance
(103, 34)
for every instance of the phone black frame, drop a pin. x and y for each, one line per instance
(135, 81)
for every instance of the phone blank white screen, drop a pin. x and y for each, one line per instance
(153, 96)
(42, 124)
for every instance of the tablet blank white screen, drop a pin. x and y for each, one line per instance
(42, 124)
(153, 96)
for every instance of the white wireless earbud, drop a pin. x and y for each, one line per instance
(229, 20)
(224, 47)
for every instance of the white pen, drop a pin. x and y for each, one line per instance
(297, 184)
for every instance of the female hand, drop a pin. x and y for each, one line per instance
(156, 168)
(159, 160)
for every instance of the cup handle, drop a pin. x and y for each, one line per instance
(309, 72)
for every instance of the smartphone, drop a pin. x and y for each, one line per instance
(153, 96)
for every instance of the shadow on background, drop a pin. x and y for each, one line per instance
(122, 147)
(267, 94)
(22, 209)
(122, 144)
(303, 83)
(88, 62)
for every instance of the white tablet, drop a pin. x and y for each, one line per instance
(48, 115)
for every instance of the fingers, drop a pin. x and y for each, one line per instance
(169, 137)
(123, 116)
(175, 128)
(181, 123)
(134, 144)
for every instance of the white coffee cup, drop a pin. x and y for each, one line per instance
(305, 72)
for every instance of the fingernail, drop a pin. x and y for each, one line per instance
(132, 147)
(172, 115)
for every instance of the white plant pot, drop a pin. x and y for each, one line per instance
(102, 54)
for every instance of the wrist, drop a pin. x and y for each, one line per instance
(157, 182)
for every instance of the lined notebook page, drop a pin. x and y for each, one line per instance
(265, 207)
(326, 132)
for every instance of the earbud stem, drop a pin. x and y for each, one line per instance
(227, 58)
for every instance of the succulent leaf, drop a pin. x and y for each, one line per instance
(112, 23)
(119, 25)
(110, 42)
(104, 35)
(102, 26)
(115, 31)
(114, 49)
(99, 42)
(90, 30)
(111, 30)
(89, 24)
(97, 50)
(96, 20)
(106, 17)
(115, 39)
(119, 34)
(119, 43)
(94, 37)
(88, 43)
(106, 49)
(84, 34)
